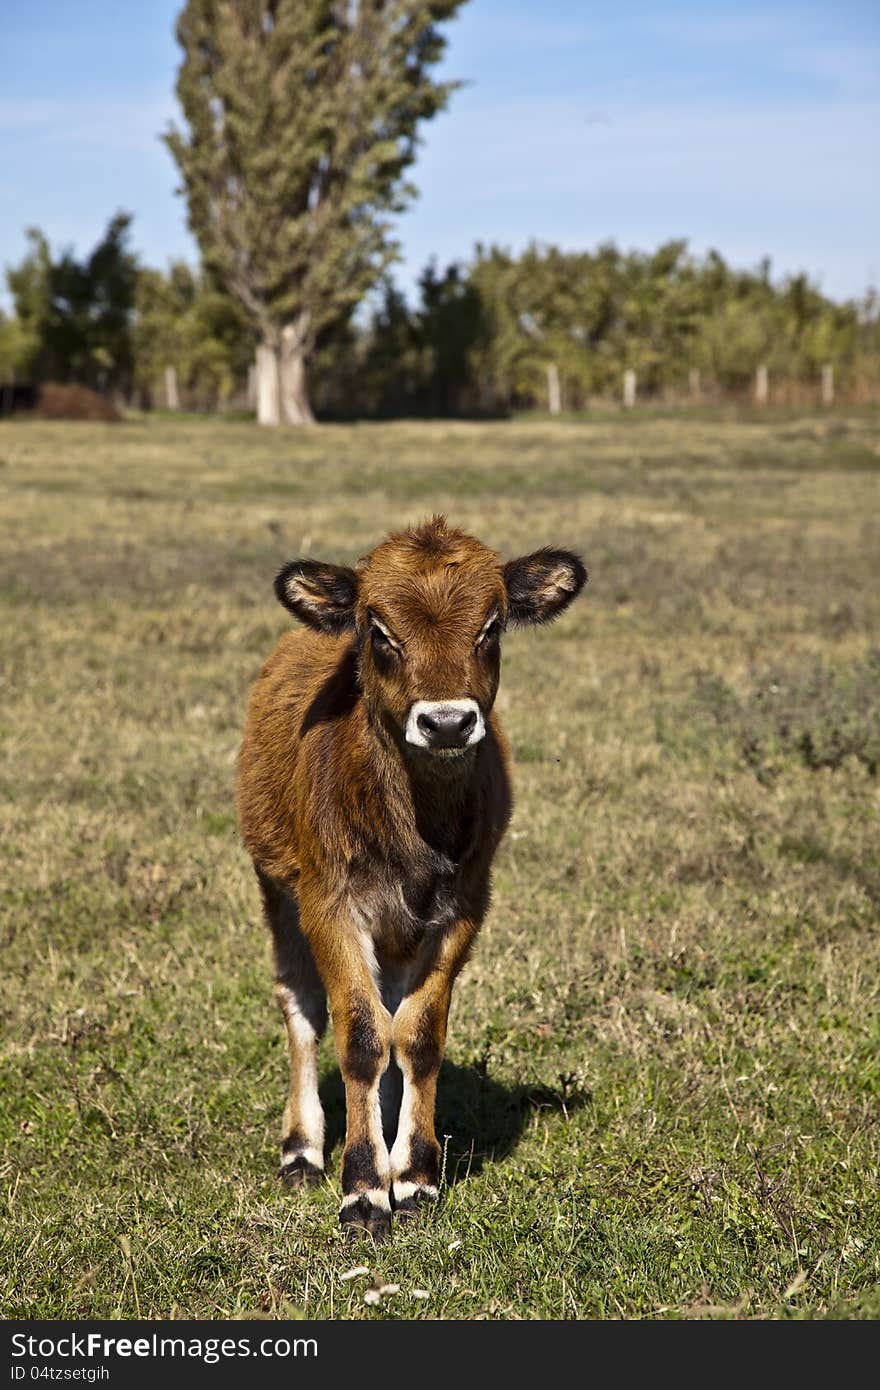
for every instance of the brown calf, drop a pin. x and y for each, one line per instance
(373, 790)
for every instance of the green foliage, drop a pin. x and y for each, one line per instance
(413, 362)
(113, 325)
(19, 346)
(183, 321)
(74, 317)
(482, 337)
(479, 340)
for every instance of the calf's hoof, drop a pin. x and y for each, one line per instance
(412, 1198)
(360, 1214)
(299, 1172)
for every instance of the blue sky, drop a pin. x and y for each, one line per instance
(750, 127)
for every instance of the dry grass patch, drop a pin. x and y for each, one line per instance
(662, 1078)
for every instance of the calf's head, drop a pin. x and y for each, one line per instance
(428, 607)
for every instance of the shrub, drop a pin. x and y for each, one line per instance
(819, 715)
(56, 401)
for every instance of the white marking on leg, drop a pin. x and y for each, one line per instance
(303, 1081)
(400, 1153)
(368, 950)
(377, 1196)
(313, 1156)
(363, 915)
(404, 1190)
(377, 1138)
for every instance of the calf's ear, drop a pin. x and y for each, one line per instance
(541, 585)
(322, 596)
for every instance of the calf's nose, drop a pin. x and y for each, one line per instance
(442, 724)
(446, 726)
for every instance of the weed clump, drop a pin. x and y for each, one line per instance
(819, 715)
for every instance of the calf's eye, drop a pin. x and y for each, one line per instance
(492, 631)
(381, 642)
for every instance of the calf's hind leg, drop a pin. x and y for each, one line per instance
(303, 1002)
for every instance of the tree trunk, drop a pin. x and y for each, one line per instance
(267, 376)
(172, 395)
(295, 404)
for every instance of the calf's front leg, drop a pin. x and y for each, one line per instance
(362, 1032)
(418, 1039)
(362, 1028)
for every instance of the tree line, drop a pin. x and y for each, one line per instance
(300, 121)
(551, 329)
(543, 329)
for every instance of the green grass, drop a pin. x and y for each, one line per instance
(661, 1087)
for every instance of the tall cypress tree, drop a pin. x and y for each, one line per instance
(302, 118)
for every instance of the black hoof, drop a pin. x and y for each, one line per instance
(363, 1217)
(415, 1203)
(298, 1172)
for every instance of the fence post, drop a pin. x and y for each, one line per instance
(172, 398)
(629, 389)
(762, 385)
(554, 393)
(828, 384)
(268, 386)
(694, 383)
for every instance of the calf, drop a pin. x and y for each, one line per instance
(373, 789)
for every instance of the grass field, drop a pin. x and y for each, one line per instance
(662, 1081)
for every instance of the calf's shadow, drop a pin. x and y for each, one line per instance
(479, 1120)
